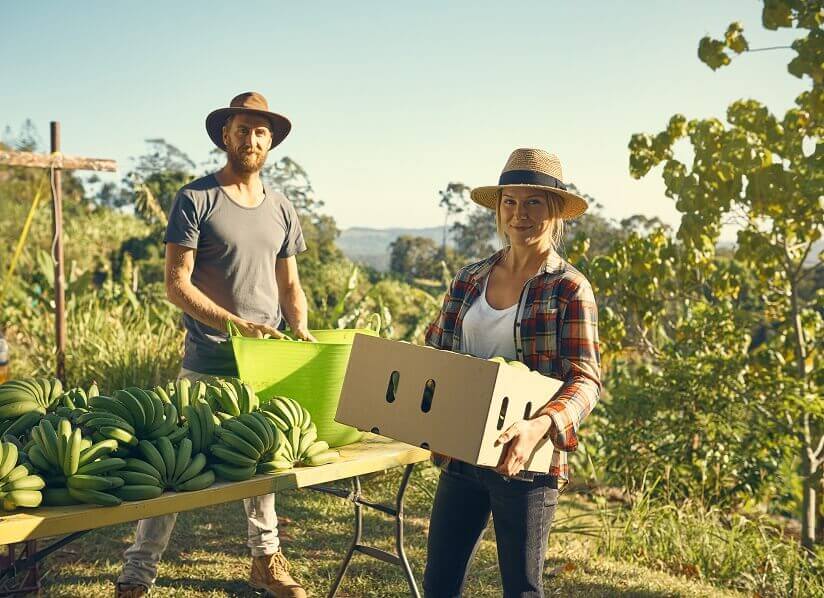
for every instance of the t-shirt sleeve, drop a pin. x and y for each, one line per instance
(184, 223)
(293, 243)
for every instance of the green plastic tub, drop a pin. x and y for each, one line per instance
(310, 373)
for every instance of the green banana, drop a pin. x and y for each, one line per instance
(315, 449)
(29, 482)
(58, 497)
(72, 460)
(15, 474)
(110, 405)
(135, 478)
(50, 443)
(273, 466)
(236, 442)
(138, 492)
(231, 456)
(141, 466)
(261, 430)
(307, 438)
(245, 432)
(167, 451)
(94, 497)
(122, 436)
(199, 482)
(8, 461)
(107, 465)
(181, 432)
(23, 423)
(233, 473)
(195, 432)
(196, 465)
(207, 425)
(153, 457)
(182, 458)
(83, 481)
(322, 458)
(97, 450)
(137, 414)
(20, 408)
(22, 498)
(39, 460)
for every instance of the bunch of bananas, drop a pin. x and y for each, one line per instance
(18, 487)
(243, 443)
(201, 424)
(300, 445)
(164, 467)
(182, 393)
(231, 396)
(78, 398)
(75, 469)
(130, 415)
(28, 394)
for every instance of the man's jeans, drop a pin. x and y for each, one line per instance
(152, 536)
(522, 513)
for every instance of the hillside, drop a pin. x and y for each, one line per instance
(371, 245)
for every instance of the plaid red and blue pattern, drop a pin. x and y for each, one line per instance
(556, 333)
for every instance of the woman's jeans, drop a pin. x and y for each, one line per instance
(522, 513)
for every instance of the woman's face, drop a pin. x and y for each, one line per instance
(525, 215)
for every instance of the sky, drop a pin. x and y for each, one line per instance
(389, 101)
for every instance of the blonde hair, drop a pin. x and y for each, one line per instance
(555, 203)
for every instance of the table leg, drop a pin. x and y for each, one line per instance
(25, 567)
(396, 511)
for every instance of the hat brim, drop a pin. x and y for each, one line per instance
(216, 119)
(574, 205)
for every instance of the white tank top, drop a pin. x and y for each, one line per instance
(489, 332)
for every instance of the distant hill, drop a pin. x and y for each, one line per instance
(371, 245)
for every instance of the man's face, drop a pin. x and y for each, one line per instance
(247, 138)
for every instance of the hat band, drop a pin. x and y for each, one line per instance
(530, 177)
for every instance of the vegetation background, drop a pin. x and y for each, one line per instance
(700, 471)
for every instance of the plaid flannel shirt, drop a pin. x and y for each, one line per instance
(556, 333)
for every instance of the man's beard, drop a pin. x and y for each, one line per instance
(243, 162)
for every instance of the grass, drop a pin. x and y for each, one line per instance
(207, 554)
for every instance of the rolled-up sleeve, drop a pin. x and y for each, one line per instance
(581, 367)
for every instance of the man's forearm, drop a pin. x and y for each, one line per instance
(295, 308)
(193, 302)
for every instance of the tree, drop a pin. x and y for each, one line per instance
(762, 171)
(453, 201)
(414, 257)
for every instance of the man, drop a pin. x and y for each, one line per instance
(230, 255)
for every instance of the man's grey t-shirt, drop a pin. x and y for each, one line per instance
(234, 262)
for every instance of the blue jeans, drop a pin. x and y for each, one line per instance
(522, 513)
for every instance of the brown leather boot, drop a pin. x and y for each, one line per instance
(271, 574)
(130, 590)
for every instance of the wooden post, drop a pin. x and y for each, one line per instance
(59, 278)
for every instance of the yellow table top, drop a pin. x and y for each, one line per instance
(372, 454)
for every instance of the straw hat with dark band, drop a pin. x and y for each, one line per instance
(250, 102)
(535, 169)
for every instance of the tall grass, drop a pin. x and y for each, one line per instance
(746, 553)
(113, 337)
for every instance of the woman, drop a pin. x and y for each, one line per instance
(526, 303)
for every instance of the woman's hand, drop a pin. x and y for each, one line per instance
(521, 438)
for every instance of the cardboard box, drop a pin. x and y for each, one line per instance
(450, 403)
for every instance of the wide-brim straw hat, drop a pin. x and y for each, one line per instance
(536, 169)
(250, 102)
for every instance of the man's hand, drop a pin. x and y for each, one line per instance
(521, 438)
(253, 330)
(303, 334)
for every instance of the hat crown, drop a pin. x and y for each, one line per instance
(535, 160)
(250, 99)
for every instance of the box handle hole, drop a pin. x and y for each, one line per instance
(425, 445)
(392, 388)
(428, 395)
(502, 414)
(375, 430)
(528, 410)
